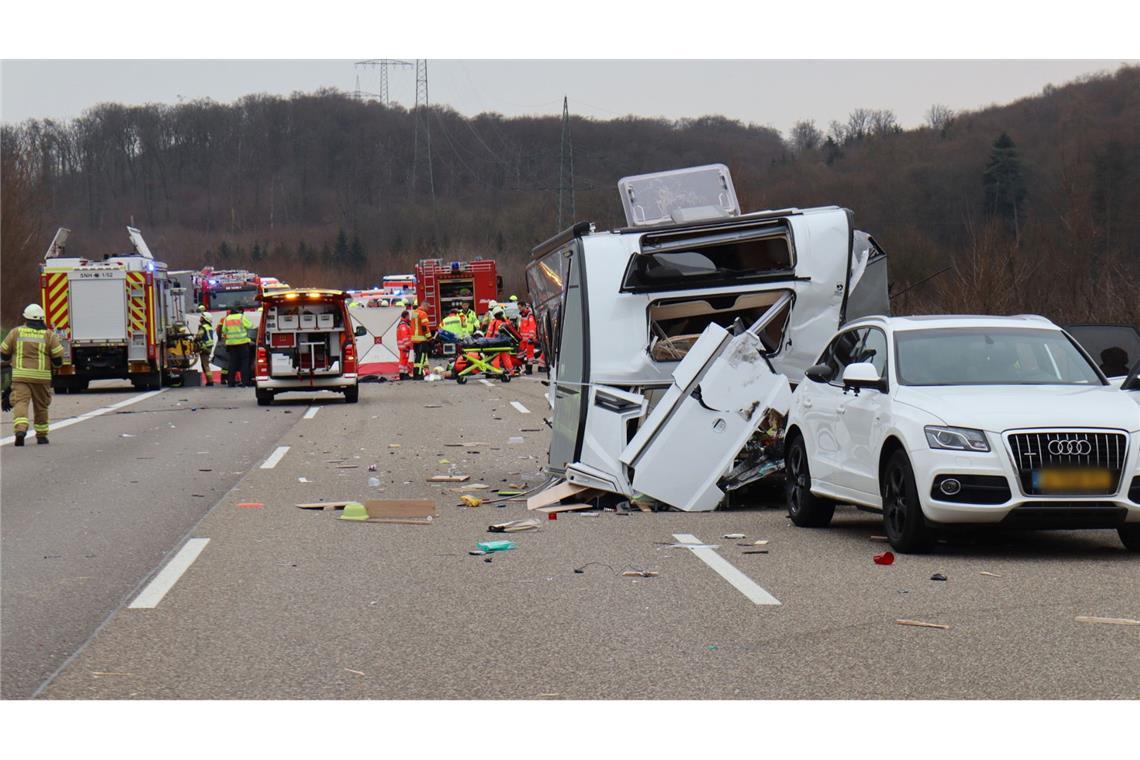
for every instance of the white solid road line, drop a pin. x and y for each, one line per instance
(311, 413)
(520, 408)
(169, 575)
(274, 458)
(726, 570)
(486, 382)
(89, 415)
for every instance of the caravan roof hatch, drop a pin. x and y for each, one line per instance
(680, 196)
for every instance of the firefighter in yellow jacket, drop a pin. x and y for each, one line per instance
(33, 350)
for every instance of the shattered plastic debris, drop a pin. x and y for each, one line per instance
(733, 535)
(938, 577)
(886, 558)
(303, 480)
(374, 482)
(496, 546)
(470, 501)
(991, 575)
(514, 526)
(515, 440)
(251, 505)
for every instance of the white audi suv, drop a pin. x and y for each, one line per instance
(956, 420)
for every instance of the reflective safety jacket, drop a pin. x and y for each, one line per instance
(421, 327)
(235, 329)
(205, 337)
(404, 334)
(472, 323)
(528, 328)
(453, 323)
(33, 352)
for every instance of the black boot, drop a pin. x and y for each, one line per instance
(41, 439)
(19, 439)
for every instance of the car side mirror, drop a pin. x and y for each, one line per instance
(360, 331)
(819, 373)
(863, 375)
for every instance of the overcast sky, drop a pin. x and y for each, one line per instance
(775, 93)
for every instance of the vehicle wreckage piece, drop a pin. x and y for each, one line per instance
(629, 318)
(723, 389)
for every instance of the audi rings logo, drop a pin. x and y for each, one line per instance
(1070, 448)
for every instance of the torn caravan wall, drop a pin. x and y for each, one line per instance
(722, 390)
(603, 299)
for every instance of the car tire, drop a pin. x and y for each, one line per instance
(903, 521)
(264, 398)
(1130, 536)
(805, 508)
(352, 394)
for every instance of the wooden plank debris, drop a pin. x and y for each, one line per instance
(1106, 621)
(554, 494)
(921, 624)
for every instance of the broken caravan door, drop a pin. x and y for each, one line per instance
(558, 291)
(722, 391)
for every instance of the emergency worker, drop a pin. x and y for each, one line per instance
(235, 334)
(204, 343)
(421, 334)
(528, 332)
(33, 350)
(453, 323)
(404, 343)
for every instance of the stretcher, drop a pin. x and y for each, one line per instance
(493, 357)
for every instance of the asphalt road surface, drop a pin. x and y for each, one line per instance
(285, 603)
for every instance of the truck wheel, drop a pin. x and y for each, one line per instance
(902, 514)
(805, 508)
(1130, 536)
(264, 397)
(352, 395)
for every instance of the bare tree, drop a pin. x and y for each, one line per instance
(939, 118)
(883, 122)
(805, 136)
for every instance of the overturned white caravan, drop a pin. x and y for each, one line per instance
(671, 340)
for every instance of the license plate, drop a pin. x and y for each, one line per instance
(1074, 480)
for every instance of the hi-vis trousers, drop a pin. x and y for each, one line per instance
(39, 394)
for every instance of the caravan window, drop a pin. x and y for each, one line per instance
(673, 262)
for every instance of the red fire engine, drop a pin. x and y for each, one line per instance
(223, 289)
(440, 284)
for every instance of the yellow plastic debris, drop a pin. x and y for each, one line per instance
(470, 501)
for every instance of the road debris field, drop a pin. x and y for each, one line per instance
(202, 547)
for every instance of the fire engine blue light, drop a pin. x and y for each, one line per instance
(455, 266)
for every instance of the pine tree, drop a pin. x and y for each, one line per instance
(256, 254)
(340, 248)
(305, 254)
(356, 256)
(1004, 183)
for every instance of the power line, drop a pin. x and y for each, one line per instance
(422, 144)
(565, 167)
(383, 64)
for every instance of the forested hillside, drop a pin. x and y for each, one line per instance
(1030, 206)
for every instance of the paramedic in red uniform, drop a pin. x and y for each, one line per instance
(528, 331)
(404, 343)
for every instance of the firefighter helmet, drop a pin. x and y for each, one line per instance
(34, 311)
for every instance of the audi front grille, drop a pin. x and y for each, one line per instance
(1067, 448)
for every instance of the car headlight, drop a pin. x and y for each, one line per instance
(956, 438)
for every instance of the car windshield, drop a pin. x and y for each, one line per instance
(990, 356)
(227, 299)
